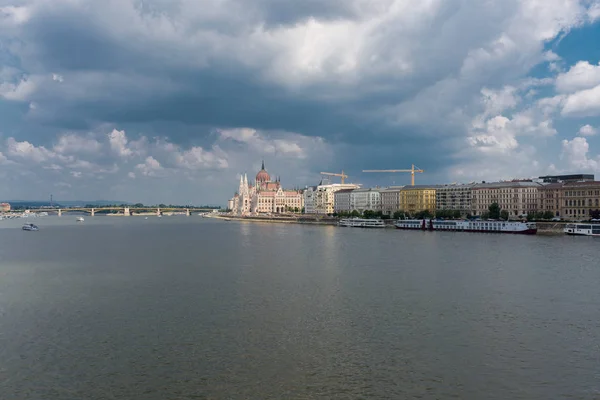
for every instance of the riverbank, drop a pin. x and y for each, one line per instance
(544, 228)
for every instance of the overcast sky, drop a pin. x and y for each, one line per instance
(170, 100)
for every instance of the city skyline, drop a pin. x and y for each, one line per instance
(170, 101)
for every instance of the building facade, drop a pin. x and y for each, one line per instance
(454, 198)
(4, 207)
(365, 199)
(519, 198)
(265, 196)
(342, 201)
(571, 200)
(418, 198)
(390, 200)
(320, 199)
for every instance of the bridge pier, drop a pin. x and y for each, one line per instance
(59, 212)
(187, 212)
(93, 212)
(126, 212)
(157, 212)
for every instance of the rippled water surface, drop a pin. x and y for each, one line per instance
(190, 308)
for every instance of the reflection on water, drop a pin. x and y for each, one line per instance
(194, 308)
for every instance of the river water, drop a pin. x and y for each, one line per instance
(192, 308)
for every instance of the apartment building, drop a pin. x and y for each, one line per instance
(418, 198)
(342, 201)
(365, 199)
(454, 198)
(571, 200)
(390, 200)
(519, 198)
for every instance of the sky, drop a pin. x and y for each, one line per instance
(169, 101)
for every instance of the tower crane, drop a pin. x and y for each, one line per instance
(342, 175)
(412, 172)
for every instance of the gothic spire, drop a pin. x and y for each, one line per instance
(263, 164)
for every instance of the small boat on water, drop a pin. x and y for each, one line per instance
(524, 228)
(30, 227)
(361, 223)
(80, 219)
(583, 229)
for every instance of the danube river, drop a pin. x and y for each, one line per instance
(192, 308)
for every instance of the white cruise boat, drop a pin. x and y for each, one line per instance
(583, 229)
(80, 219)
(525, 228)
(361, 223)
(30, 227)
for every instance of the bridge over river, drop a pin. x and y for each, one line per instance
(125, 211)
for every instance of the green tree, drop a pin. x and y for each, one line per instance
(504, 215)
(399, 214)
(485, 215)
(355, 213)
(548, 215)
(296, 209)
(494, 211)
(425, 214)
(456, 214)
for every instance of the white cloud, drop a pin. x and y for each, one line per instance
(580, 76)
(150, 167)
(118, 143)
(28, 151)
(292, 145)
(575, 152)
(131, 175)
(19, 91)
(14, 15)
(583, 103)
(76, 174)
(197, 158)
(57, 78)
(73, 143)
(587, 130)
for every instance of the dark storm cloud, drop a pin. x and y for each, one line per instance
(385, 84)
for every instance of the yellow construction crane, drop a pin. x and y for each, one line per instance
(342, 175)
(412, 172)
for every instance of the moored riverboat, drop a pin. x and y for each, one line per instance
(583, 229)
(525, 228)
(361, 223)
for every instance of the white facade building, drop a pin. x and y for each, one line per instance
(365, 199)
(321, 199)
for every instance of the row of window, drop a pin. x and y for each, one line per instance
(582, 193)
(581, 203)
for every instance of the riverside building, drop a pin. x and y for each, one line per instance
(454, 197)
(418, 198)
(365, 199)
(265, 196)
(519, 198)
(320, 199)
(390, 200)
(571, 200)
